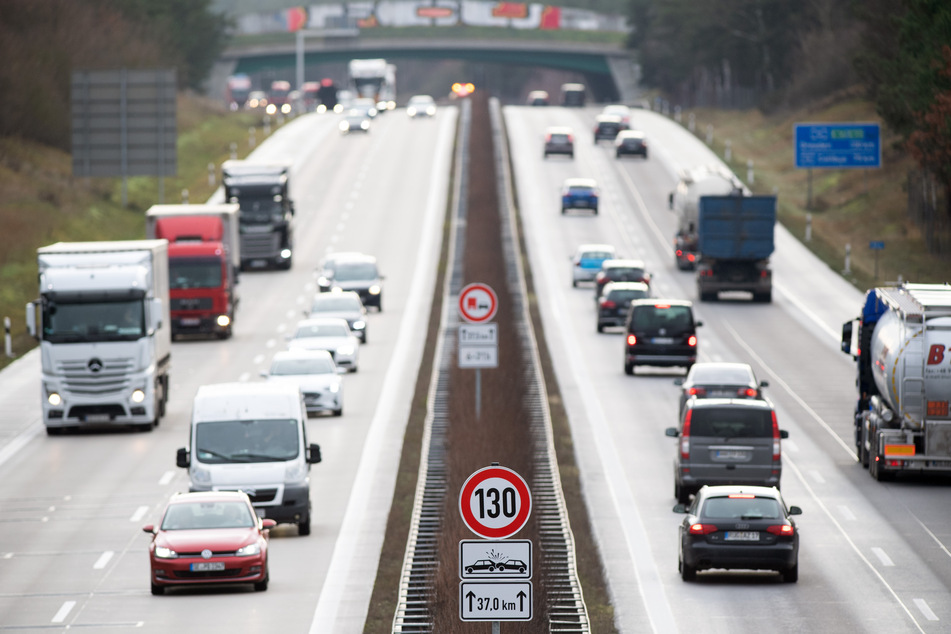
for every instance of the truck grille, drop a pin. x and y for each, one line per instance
(112, 375)
(190, 303)
(260, 245)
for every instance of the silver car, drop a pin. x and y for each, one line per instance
(315, 372)
(327, 333)
(711, 379)
(345, 305)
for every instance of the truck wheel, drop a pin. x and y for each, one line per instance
(303, 527)
(763, 298)
(600, 327)
(681, 493)
(628, 368)
(708, 297)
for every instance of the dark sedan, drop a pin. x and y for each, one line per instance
(738, 527)
(620, 271)
(719, 380)
(630, 142)
(615, 302)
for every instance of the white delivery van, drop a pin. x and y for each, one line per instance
(251, 437)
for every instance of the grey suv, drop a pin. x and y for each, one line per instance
(726, 441)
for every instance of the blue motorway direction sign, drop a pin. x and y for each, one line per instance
(838, 145)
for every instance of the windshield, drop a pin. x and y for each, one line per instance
(625, 297)
(336, 304)
(260, 210)
(353, 271)
(729, 376)
(731, 422)
(295, 367)
(267, 440)
(197, 515)
(742, 508)
(675, 320)
(65, 322)
(194, 273)
(322, 330)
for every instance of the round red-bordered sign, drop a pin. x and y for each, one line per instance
(495, 502)
(478, 303)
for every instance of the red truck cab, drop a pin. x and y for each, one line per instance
(201, 277)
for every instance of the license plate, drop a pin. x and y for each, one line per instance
(731, 455)
(209, 566)
(662, 340)
(191, 321)
(97, 418)
(741, 536)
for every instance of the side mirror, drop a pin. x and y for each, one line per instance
(672, 432)
(679, 381)
(764, 383)
(680, 508)
(150, 529)
(783, 433)
(795, 510)
(268, 523)
(670, 200)
(697, 324)
(313, 454)
(31, 320)
(847, 337)
(182, 458)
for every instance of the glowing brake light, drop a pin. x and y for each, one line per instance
(685, 437)
(741, 496)
(747, 392)
(697, 391)
(783, 530)
(661, 305)
(631, 340)
(702, 529)
(692, 340)
(607, 303)
(776, 444)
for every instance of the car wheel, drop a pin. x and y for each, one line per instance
(708, 297)
(595, 211)
(158, 590)
(791, 575)
(469, 570)
(303, 527)
(681, 493)
(563, 210)
(571, 154)
(55, 431)
(645, 155)
(687, 573)
(261, 586)
(338, 412)
(600, 327)
(629, 369)
(574, 283)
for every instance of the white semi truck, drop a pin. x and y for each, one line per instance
(102, 320)
(374, 79)
(902, 347)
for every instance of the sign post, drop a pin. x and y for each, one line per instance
(495, 573)
(876, 246)
(479, 341)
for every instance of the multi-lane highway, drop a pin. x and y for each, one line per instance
(873, 555)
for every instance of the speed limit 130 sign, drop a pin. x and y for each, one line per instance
(495, 502)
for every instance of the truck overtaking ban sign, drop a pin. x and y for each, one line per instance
(478, 303)
(495, 502)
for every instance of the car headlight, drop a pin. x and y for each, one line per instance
(200, 475)
(338, 108)
(335, 387)
(250, 549)
(344, 126)
(374, 290)
(271, 109)
(321, 109)
(138, 395)
(411, 112)
(364, 125)
(286, 108)
(345, 350)
(165, 553)
(358, 325)
(223, 321)
(431, 111)
(295, 471)
(54, 399)
(336, 288)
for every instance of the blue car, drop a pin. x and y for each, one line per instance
(580, 193)
(587, 260)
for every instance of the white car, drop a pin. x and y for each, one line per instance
(619, 110)
(327, 333)
(421, 106)
(586, 262)
(315, 372)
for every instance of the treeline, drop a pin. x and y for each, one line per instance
(776, 53)
(43, 41)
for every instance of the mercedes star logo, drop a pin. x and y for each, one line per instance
(94, 365)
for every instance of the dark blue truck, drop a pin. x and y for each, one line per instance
(735, 240)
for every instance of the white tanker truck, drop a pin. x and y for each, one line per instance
(902, 346)
(710, 180)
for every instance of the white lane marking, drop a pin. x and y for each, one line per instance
(933, 536)
(258, 359)
(270, 343)
(883, 556)
(166, 478)
(8, 555)
(291, 312)
(817, 477)
(245, 377)
(846, 535)
(846, 513)
(341, 226)
(51, 509)
(335, 238)
(63, 611)
(923, 606)
(139, 513)
(808, 313)
(790, 446)
(20, 441)
(103, 560)
(776, 378)
(45, 519)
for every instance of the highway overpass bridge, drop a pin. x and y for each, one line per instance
(610, 71)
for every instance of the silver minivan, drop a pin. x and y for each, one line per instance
(726, 441)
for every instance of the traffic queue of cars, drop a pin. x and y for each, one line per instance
(728, 457)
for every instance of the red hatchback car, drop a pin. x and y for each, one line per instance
(209, 537)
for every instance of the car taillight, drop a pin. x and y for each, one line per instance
(697, 391)
(692, 340)
(607, 303)
(571, 139)
(783, 530)
(631, 340)
(685, 437)
(776, 448)
(691, 257)
(702, 529)
(679, 253)
(746, 391)
(764, 273)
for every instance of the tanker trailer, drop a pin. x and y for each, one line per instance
(902, 347)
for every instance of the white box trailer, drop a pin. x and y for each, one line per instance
(102, 320)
